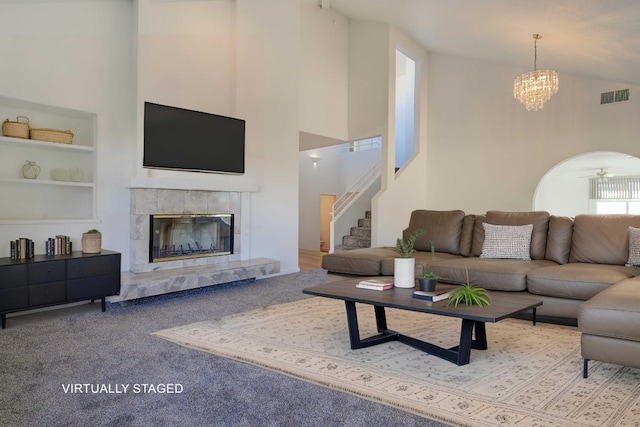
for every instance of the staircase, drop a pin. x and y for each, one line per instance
(359, 237)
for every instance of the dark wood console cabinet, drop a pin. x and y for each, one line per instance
(51, 280)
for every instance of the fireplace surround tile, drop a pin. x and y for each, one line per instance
(170, 202)
(144, 201)
(195, 202)
(218, 202)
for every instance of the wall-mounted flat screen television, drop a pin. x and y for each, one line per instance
(181, 139)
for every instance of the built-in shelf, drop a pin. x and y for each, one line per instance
(42, 200)
(47, 182)
(16, 221)
(19, 142)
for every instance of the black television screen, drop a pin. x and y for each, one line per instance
(176, 138)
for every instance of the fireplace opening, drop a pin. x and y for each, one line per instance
(176, 237)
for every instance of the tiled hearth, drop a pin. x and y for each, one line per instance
(155, 278)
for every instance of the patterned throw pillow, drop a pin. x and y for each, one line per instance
(507, 241)
(634, 247)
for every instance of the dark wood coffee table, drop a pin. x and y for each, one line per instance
(503, 305)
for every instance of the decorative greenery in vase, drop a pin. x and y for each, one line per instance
(469, 295)
(405, 247)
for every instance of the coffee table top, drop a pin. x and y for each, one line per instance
(503, 304)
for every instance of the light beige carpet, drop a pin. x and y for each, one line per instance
(529, 376)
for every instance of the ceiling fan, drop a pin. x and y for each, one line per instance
(601, 175)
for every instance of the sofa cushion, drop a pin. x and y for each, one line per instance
(478, 235)
(466, 238)
(539, 219)
(634, 247)
(575, 280)
(614, 312)
(495, 274)
(507, 241)
(602, 239)
(364, 261)
(559, 239)
(443, 228)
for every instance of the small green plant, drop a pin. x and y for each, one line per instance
(93, 231)
(433, 250)
(405, 247)
(429, 275)
(469, 295)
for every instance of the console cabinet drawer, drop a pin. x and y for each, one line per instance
(93, 266)
(93, 287)
(14, 298)
(46, 272)
(13, 276)
(47, 293)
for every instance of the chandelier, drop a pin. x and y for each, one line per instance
(536, 87)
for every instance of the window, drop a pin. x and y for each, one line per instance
(615, 195)
(405, 108)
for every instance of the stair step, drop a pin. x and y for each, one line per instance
(356, 242)
(363, 222)
(361, 232)
(367, 215)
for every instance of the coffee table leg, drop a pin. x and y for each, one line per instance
(381, 318)
(466, 338)
(354, 332)
(352, 324)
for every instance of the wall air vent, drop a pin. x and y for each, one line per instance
(614, 96)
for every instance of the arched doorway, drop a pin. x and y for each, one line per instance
(565, 189)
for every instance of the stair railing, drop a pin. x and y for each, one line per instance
(343, 202)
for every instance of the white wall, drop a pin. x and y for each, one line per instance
(563, 195)
(405, 191)
(238, 58)
(486, 151)
(335, 173)
(324, 55)
(81, 56)
(267, 96)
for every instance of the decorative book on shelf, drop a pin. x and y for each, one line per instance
(375, 284)
(22, 248)
(431, 296)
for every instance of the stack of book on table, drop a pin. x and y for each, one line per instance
(431, 296)
(375, 284)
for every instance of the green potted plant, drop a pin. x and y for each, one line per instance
(92, 242)
(428, 281)
(469, 295)
(404, 266)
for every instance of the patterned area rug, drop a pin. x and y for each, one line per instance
(529, 376)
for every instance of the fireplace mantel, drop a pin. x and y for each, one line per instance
(217, 183)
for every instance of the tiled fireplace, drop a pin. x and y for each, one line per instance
(148, 202)
(211, 250)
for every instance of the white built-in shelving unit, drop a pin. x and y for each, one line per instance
(44, 199)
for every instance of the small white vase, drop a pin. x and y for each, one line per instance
(404, 272)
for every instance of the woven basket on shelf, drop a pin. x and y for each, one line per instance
(52, 135)
(16, 129)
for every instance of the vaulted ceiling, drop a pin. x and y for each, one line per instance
(592, 38)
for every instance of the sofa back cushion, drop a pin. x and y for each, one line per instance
(559, 239)
(540, 221)
(478, 235)
(466, 238)
(602, 239)
(444, 228)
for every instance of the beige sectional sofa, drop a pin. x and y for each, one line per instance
(576, 266)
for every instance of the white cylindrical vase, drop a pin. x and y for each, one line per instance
(404, 272)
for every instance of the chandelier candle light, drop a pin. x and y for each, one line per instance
(536, 87)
